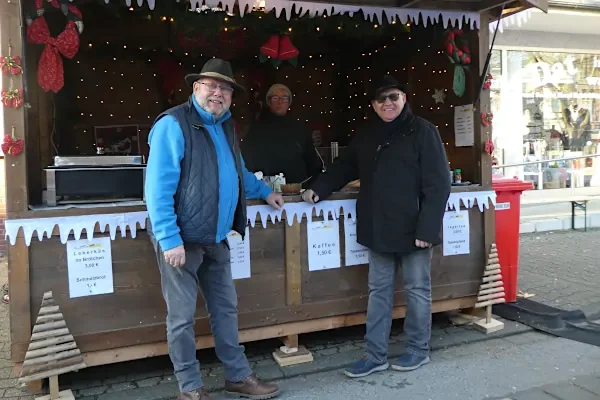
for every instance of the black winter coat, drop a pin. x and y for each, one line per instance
(404, 182)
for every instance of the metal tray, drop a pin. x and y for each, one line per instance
(62, 161)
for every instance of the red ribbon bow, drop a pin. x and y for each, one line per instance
(51, 75)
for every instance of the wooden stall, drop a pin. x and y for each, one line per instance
(286, 287)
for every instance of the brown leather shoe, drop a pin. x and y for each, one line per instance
(199, 394)
(251, 388)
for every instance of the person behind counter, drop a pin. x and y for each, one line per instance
(403, 170)
(277, 143)
(184, 187)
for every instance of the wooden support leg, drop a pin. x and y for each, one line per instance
(466, 316)
(55, 394)
(291, 353)
(54, 387)
(488, 324)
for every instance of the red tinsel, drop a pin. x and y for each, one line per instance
(459, 54)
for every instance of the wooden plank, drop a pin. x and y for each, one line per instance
(104, 357)
(16, 182)
(293, 266)
(482, 133)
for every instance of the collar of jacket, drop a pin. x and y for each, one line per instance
(403, 123)
(199, 118)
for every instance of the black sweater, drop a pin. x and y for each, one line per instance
(276, 144)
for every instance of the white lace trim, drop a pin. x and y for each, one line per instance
(329, 209)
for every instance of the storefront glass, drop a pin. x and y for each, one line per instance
(546, 106)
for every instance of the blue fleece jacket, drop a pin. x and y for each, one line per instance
(164, 167)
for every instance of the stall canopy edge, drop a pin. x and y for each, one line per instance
(449, 12)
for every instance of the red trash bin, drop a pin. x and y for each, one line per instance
(508, 215)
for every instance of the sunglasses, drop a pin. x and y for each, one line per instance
(392, 96)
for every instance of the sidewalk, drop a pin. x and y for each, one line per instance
(561, 268)
(578, 388)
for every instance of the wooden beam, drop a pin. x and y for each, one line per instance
(122, 354)
(16, 182)
(484, 160)
(293, 265)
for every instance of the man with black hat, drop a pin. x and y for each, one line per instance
(196, 190)
(404, 186)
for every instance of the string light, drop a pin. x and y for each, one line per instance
(340, 117)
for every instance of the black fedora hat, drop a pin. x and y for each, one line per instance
(385, 83)
(216, 68)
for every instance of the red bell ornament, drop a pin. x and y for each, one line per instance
(287, 51)
(271, 47)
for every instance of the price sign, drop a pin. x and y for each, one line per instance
(239, 254)
(456, 233)
(323, 245)
(356, 254)
(90, 267)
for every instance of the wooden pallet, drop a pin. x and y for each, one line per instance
(52, 351)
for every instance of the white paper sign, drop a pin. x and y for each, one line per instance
(502, 206)
(240, 254)
(464, 129)
(89, 265)
(356, 254)
(456, 233)
(323, 245)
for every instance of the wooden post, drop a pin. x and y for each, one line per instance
(52, 351)
(483, 159)
(291, 353)
(16, 188)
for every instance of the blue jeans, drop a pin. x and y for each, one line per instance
(207, 268)
(416, 274)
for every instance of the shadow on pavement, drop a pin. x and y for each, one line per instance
(579, 325)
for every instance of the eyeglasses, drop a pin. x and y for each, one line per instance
(285, 99)
(212, 87)
(392, 96)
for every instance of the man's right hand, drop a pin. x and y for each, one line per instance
(310, 196)
(175, 256)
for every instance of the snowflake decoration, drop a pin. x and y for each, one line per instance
(439, 96)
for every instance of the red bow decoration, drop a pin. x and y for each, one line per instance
(488, 81)
(487, 118)
(12, 145)
(11, 64)
(489, 146)
(12, 98)
(50, 71)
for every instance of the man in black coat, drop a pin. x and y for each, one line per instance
(404, 187)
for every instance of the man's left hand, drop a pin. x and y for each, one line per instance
(275, 200)
(422, 244)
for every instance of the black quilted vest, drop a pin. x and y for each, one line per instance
(197, 196)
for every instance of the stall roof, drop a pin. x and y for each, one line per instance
(450, 12)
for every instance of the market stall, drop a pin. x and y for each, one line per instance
(78, 116)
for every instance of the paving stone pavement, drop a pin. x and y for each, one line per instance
(561, 268)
